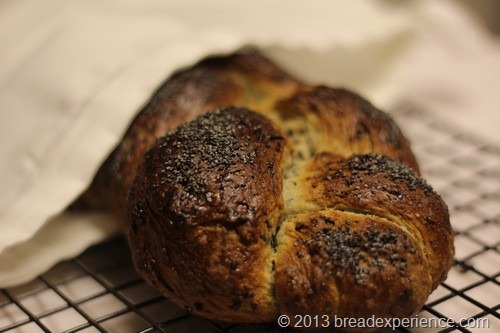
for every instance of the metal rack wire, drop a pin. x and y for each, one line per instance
(99, 291)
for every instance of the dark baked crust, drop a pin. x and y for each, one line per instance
(204, 212)
(247, 194)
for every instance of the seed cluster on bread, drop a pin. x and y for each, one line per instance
(246, 194)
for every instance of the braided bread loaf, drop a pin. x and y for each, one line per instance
(248, 194)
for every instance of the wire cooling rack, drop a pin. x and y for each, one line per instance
(99, 291)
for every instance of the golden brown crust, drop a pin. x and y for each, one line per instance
(350, 265)
(363, 234)
(287, 198)
(376, 185)
(345, 123)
